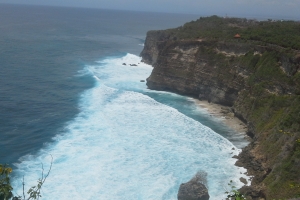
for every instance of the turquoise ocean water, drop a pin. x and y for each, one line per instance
(65, 93)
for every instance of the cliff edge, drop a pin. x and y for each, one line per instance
(252, 66)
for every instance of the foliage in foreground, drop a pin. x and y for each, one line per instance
(233, 193)
(6, 189)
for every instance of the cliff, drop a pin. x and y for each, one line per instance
(257, 74)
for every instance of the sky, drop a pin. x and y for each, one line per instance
(241, 8)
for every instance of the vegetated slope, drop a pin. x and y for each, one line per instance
(258, 74)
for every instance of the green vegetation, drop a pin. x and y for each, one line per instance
(6, 190)
(5, 187)
(233, 193)
(281, 33)
(275, 114)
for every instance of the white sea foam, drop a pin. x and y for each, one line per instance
(124, 145)
(121, 73)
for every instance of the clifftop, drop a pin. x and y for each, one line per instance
(282, 33)
(258, 74)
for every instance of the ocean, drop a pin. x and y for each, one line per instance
(69, 91)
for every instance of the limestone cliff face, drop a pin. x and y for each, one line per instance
(260, 82)
(151, 49)
(191, 68)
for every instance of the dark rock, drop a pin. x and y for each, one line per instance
(254, 167)
(133, 65)
(195, 189)
(253, 193)
(243, 180)
(124, 64)
(142, 80)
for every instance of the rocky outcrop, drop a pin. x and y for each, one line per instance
(260, 81)
(195, 189)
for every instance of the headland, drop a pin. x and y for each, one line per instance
(252, 67)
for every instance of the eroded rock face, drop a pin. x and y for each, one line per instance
(191, 68)
(195, 189)
(151, 48)
(253, 192)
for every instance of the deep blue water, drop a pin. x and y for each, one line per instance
(42, 49)
(65, 92)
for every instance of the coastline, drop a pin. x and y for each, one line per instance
(245, 159)
(258, 79)
(225, 115)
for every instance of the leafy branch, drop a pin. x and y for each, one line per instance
(233, 193)
(35, 191)
(6, 189)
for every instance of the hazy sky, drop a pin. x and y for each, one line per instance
(271, 8)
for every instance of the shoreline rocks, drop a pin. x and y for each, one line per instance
(195, 189)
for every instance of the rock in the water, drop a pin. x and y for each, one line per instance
(195, 189)
(142, 80)
(243, 180)
(124, 64)
(133, 65)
